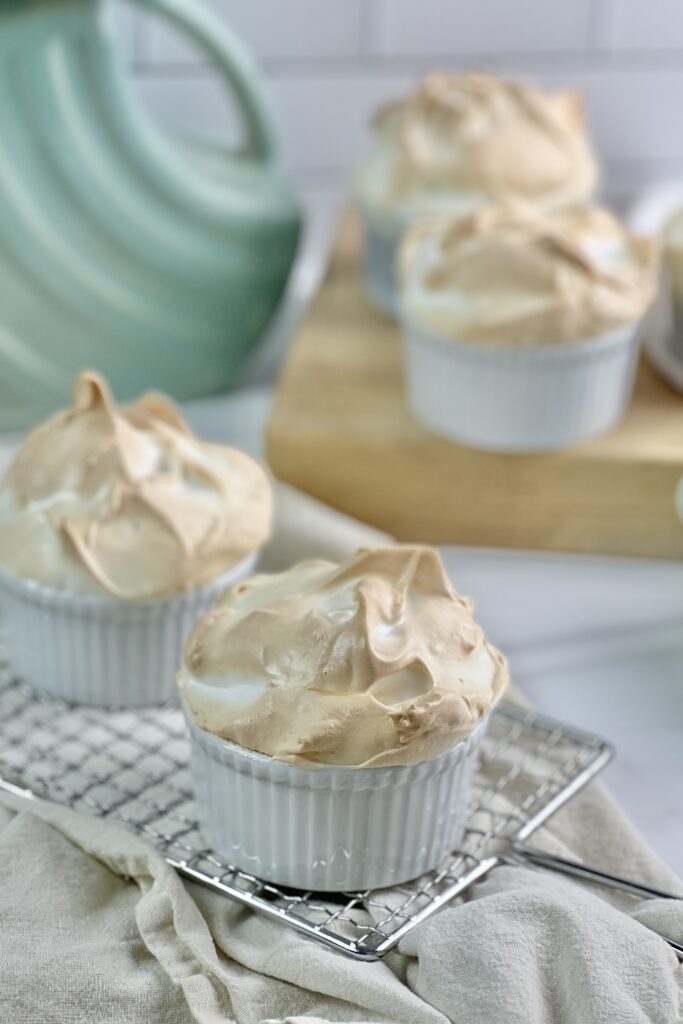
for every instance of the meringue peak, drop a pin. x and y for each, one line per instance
(376, 661)
(460, 141)
(511, 274)
(126, 501)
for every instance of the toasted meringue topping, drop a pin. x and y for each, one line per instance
(464, 140)
(126, 501)
(377, 661)
(513, 275)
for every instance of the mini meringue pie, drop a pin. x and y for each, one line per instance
(117, 529)
(461, 142)
(522, 328)
(335, 713)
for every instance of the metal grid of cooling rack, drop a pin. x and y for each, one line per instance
(132, 767)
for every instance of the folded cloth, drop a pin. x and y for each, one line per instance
(96, 927)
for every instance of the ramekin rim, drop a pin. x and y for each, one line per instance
(211, 742)
(60, 596)
(415, 331)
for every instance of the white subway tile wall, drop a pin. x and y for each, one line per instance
(274, 29)
(635, 24)
(445, 27)
(329, 63)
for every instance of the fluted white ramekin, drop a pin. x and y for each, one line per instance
(331, 828)
(382, 236)
(93, 649)
(519, 399)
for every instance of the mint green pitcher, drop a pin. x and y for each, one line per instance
(157, 261)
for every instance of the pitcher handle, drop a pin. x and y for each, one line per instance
(234, 62)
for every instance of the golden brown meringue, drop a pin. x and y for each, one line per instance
(377, 661)
(465, 140)
(126, 501)
(511, 275)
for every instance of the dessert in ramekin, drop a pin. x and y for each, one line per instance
(461, 142)
(335, 713)
(118, 528)
(522, 329)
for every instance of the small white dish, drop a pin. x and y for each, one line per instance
(330, 829)
(92, 649)
(519, 399)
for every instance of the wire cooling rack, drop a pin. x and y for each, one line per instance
(132, 767)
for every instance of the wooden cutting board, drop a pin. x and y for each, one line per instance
(341, 430)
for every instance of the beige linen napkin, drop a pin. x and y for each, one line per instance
(95, 927)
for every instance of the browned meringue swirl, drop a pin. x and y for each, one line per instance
(377, 661)
(510, 274)
(480, 136)
(127, 501)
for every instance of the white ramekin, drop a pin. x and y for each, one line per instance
(330, 829)
(382, 236)
(96, 650)
(530, 399)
